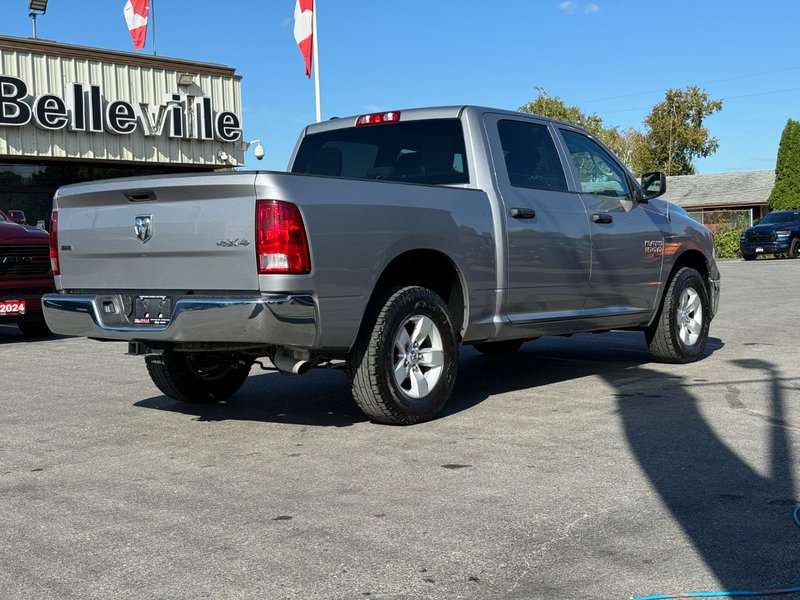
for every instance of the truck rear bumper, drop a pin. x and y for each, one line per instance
(285, 320)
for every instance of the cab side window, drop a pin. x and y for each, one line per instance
(531, 157)
(598, 173)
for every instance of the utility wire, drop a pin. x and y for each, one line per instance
(734, 77)
(725, 98)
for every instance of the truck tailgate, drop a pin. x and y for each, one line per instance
(175, 232)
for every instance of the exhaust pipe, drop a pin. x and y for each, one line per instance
(286, 363)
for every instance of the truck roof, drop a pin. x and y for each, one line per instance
(413, 114)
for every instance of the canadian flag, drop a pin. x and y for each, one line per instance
(136, 17)
(304, 29)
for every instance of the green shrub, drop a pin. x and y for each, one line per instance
(726, 241)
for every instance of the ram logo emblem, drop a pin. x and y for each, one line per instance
(654, 247)
(143, 227)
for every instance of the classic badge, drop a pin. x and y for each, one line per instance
(143, 227)
(654, 247)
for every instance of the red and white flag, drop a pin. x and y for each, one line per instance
(304, 29)
(136, 17)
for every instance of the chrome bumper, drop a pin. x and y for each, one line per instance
(287, 320)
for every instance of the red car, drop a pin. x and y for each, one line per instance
(25, 274)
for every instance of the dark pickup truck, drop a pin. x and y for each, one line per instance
(25, 274)
(777, 233)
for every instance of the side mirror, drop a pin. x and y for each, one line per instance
(18, 217)
(653, 185)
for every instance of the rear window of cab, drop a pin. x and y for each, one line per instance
(427, 151)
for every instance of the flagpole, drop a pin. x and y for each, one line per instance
(315, 58)
(152, 15)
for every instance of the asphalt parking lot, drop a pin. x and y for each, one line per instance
(575, 469)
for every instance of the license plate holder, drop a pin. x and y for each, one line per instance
(10, 308)
(154, 311)
(759, 249)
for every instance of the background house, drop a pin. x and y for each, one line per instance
(738, 198)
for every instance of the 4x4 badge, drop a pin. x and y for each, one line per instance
(143, 227)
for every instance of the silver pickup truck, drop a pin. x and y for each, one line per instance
(393, 239)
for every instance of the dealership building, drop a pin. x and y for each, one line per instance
(71, 113)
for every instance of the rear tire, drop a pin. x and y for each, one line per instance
(680, 333)
(403, 365)
(34, 329)
(501, 348)
(196, 378)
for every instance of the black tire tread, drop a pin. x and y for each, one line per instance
(794, 248)
(364, 365)
(171, 375)
(663, 344)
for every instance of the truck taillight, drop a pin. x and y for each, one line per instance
(377, 118)
(281, 244)
(54, 264)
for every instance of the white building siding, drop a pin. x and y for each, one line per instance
(52, 74)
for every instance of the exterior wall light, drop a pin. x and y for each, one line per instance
(185, 80)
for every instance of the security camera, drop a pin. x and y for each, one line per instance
(258, 152)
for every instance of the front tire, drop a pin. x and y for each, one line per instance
(794, 249)
(680, 333)
(403, 365)
(197, 378)
(749, 256)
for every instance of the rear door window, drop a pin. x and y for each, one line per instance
(530, 156)
(427, 151)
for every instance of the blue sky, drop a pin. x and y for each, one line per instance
(610, 57)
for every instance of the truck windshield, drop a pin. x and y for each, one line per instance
(780, 217)
(428, 151)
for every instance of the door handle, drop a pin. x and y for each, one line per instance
(523, 213)
(602, 218)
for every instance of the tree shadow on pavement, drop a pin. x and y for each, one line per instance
(738, 520)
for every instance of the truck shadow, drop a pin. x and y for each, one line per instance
(322, 397)
(10, 334)
(547, 361)
(319, 398)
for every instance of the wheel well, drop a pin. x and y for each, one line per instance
(690, 258)
(693, 259)
(430, 269)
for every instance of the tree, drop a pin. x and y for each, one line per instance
(786, 192)
(554, 107)
(674, 132)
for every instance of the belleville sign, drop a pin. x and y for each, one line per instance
(84, 109)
